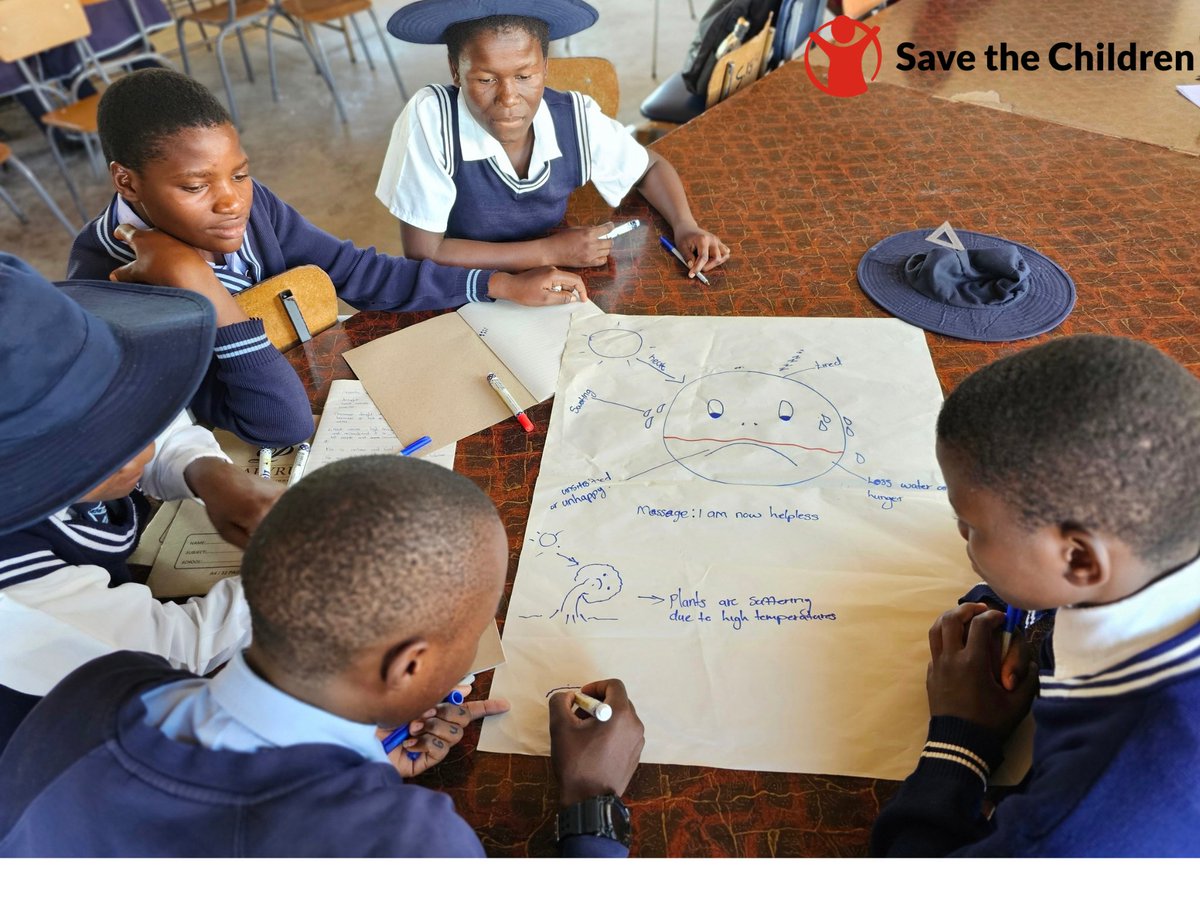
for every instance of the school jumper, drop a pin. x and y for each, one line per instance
(250, 389)
(1114, 756)
(124, 781)
(66, 595)
(445, 174)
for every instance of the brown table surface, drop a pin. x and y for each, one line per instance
(1141, 106)
(799, 185)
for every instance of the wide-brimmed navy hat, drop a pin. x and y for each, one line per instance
(991, 290)
(425, 21)
(92, 372)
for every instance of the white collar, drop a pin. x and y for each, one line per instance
(280, 719)
(127, 216)
(1093, 639)
(476, 144)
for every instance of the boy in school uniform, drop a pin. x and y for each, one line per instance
(1074, 470)
(95, 378)
(479, 170)
(178, 168)
(279, 754)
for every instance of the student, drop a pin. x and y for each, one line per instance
(178, 167)
(1074, 470)
(279, 754)
(478, 171)
(95, 377)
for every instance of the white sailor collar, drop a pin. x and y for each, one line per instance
(1096, 638)
(476, 144)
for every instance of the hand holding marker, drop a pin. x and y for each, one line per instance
(622, 229)
(400, 735)
(679, 256)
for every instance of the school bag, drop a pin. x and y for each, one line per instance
(715, 25)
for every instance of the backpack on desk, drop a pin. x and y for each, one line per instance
(715, 25)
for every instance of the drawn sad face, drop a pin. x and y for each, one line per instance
(753, 428)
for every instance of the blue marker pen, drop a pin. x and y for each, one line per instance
(1012, 618)
(400, 735)
(416, 445)
(679, 256)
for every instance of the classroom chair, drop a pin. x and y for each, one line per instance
(227, 17)
(293, 305)
(672, 104)
(591, 75)
(326, 12)
(7, 157)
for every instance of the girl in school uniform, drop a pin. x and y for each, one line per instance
(478, 171)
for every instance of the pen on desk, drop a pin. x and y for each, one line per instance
(1012, 618)
(600, 710)
(679, 256)
(400, 735)
(416, 445)
(299, 463)
(499, 388)
(622, 229)
(265, 454)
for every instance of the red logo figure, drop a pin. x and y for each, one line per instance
(845, 59)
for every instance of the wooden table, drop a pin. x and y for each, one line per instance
(799, 185)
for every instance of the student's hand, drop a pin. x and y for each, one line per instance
(702, 250)
(235, 500)
(579, 246)
(167, 262)
(546, 286)
(962, 679)
(437, 730)
(591, 757)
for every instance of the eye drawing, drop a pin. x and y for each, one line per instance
(786, 411)
(716, 408)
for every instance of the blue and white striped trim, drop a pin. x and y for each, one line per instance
(1125, 679)
(443, 98)
(956, 754)
(243, 347)
(246, 252)
(19, 568)
(106, 224)
(472, 289)
(233, 282)
(583, 137)
(516, 185)
(105, 541)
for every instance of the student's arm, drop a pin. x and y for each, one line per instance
(938, 810)
(579, 247)
(250, 389)
(664, 191)
(52, 625)
(367, 279)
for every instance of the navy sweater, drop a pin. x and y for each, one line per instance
(250, 389)
(1114, 770)
(85, 775)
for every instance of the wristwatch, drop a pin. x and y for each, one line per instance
(604, 816)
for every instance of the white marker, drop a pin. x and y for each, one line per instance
(467, 679)
(593, 707)
(298, 465)
(265, 455)
(622, 229)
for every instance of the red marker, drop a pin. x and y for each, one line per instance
(499, 388)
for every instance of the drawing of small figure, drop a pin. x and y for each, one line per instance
(594, 583)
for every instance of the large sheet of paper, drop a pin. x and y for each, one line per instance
(744, 520)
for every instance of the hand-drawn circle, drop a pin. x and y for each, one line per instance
(751, 443)
(615, 343)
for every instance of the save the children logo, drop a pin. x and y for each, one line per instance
(845, 55)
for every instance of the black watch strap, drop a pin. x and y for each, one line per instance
(604, 816)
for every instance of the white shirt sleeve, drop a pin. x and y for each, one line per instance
(50, 626)
(618, 160)
(175, 449)
(415, 184)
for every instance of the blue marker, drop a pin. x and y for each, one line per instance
(400, 735)
(1012, 618)
(416, 445)
(679, 256)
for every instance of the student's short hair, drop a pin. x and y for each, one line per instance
(458, 35)
(1094, 431)
(360, 549)
(140, 112)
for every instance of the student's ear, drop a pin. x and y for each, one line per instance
(1087, 558)
(454, 70)
(404, 664)
(124, 180)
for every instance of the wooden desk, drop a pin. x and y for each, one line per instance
(1140, 106)
(799, 185)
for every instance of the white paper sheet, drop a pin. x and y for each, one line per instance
(744, 520)
(1190, 91)
(529, 339)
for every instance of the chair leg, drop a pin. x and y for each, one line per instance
(692, 10)
(245, 54)
(363, 41)
(233, 114)
(271, 54)
(12, 204)
(387, 50)
(654, 46)
(93, 154)
(62, 167)
(41, 191)
(322, 62)
(345, 30)
(183, 57)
